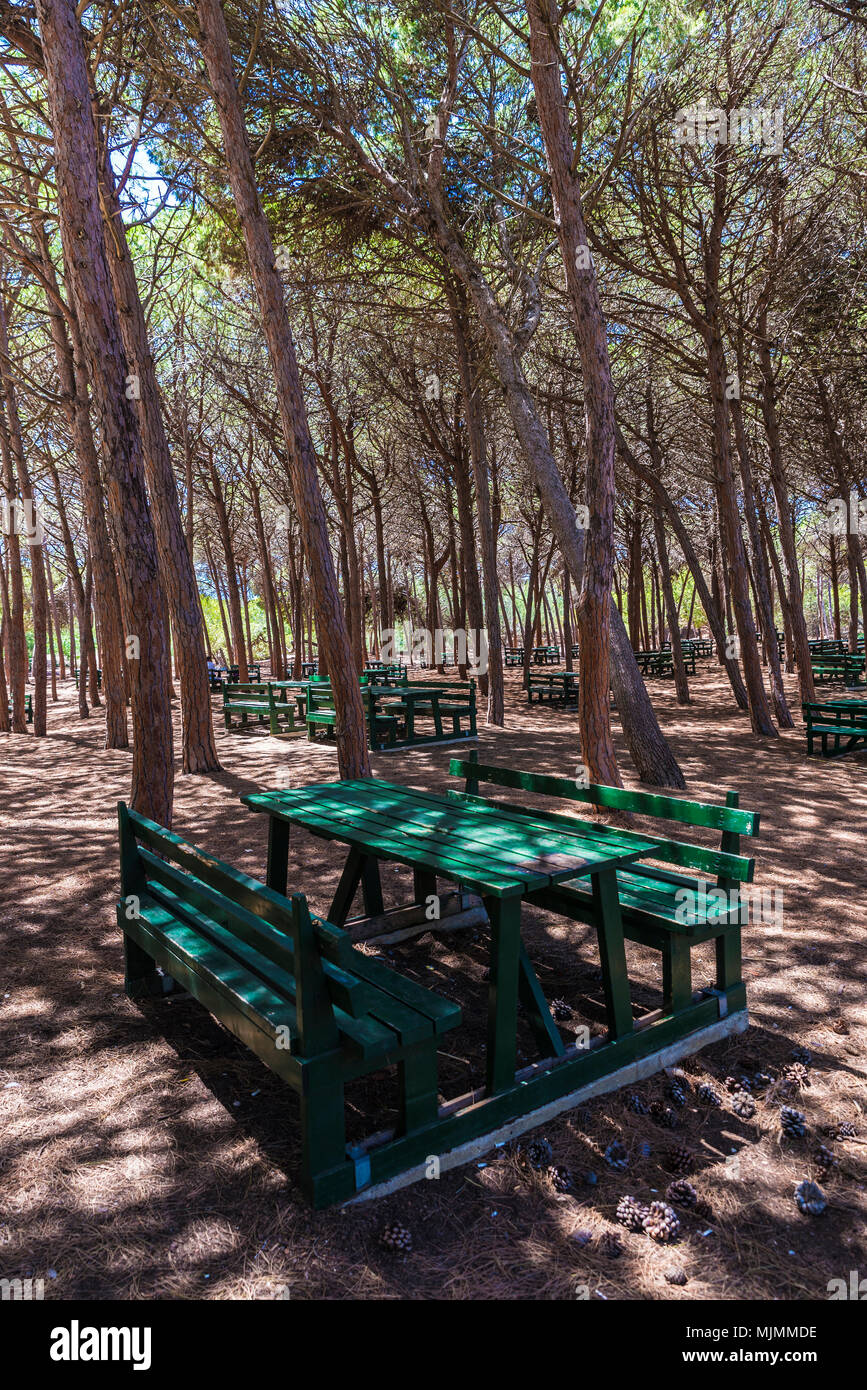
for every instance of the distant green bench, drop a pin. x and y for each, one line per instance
(833, 721)
(558, 688)
(381, 673)
(832, 668)
(28, 708)
(322, 716)
(546, 656)
(662, 909)
(514, 656)
(655, 663)
(98, 679)
(314, 1009)
(263, 702)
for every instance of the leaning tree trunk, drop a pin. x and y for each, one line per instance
(760, 571)
(331, 625)
(681, 684)
(38, 585)
(469, 375)
(730, 533)
(178, 576)
(84, 252)
(72, 377)
(594, 602)
(16, 637)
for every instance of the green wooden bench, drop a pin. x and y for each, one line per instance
(666, 910)
(290, 986)
(28, 707)
(514, 656)
(822, 645)
(655, 663)
(831, 721)
(558, 688)
(838, 668)
(321, 716)
(261, 700)
(454, 700)
(546, 656)
(381, 673)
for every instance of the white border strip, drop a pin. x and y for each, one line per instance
(634, 1071)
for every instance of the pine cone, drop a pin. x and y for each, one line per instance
(743, 1105)
(793, 1122)
(396, 1239)
(846, 1130)
(681, 1193)
(796, 1074)
(762, 1080)
(840, 1026)
(825, 1160)
(631, 1214)
(560, 1177)
(802, 1054)
(677, 1095)
(810, 1198)
(737, 1083)
(680, 1159)
(662, 1222)
(636, 1104)
(611, 1245)
(708, 1096)
(616, 1155)
(704, 1209)
(582, 1237)
(535, 1153)
(676, 1275)
(561, 1010)
(663, 1115)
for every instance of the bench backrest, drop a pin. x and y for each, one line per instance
(196, 886)
(727, 863)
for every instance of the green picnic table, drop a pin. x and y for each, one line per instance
(508, 856)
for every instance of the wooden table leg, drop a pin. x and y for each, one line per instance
(277, 872)
(612, 952)
(371, 886)
(346, 888)
(505, 919)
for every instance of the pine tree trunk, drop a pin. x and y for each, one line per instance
(594, 706)
(108, 368)
(351, 733)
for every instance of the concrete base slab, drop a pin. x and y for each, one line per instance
(635, 1071)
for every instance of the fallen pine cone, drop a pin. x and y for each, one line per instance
(396, 1239)
(810, 1198)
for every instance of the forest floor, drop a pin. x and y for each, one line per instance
(144, 1153)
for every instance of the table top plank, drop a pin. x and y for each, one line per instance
(501, 855)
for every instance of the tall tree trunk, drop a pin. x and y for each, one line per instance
(38, 586)
(468, 368)
(350, 731)
(232, 589)
(108, 367)
(761, 578)
(178, 576)
(681, 685)
(15, 634)
(594, 706)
